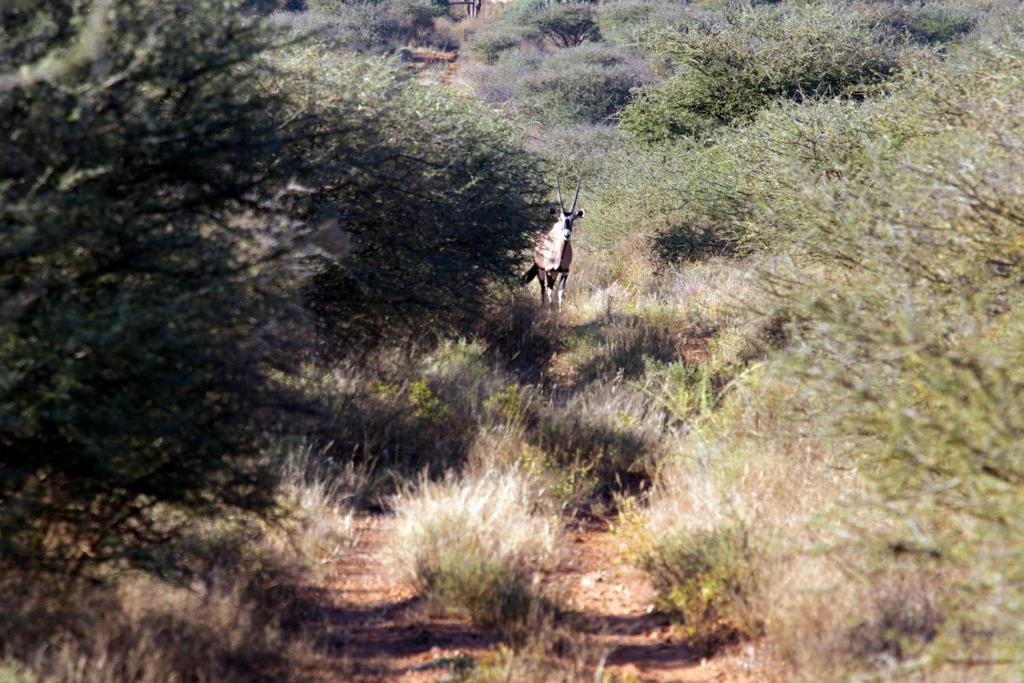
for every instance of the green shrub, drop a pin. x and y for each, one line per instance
(370, 25)
(933, 23)
(12, 672)
(735, 68)
(136, 287)
(629, 23)
(585, 84)
(916, 337)
(405, 201)
(567, 24)
(150, 300)
(510, 30)
(501, 37)
(751, 189)
(351, 25)
(591, 146)
(706, 579)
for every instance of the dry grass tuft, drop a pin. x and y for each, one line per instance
(234, 603)
(477, 546)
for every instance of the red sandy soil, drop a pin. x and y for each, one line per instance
(380, 632)
(423, 59)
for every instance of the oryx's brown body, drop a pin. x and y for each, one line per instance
(552, 255)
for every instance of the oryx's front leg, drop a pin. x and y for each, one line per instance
(562, 277)
(542, 278)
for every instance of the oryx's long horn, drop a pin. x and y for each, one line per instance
(578, 181)
(558, 186)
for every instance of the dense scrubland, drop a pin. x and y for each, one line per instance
(258, 279)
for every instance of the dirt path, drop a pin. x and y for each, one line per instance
(381, 633)
(435, 65)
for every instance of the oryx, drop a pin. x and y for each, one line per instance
(552, 255)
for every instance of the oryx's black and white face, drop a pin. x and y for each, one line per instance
(567, 218)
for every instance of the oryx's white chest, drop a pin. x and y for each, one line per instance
(553, 250)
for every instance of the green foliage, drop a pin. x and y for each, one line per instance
(706, 579)
(500, 37)
(147, 296)
(510, 30)
(567, 24)
(934, 23)
(357, 25)
(426, 201)
(135, 272)
(369, 25)
(12, 672)
(585, 84)
(736, 67)
(915, 337)
(630, 22)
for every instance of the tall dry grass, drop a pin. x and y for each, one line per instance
(478, 546)
(232, 602)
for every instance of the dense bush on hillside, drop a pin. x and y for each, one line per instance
(740, 63)
(584, 84)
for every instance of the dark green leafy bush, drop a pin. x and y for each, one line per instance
(165, 210)
(136, 273)
(425, 213)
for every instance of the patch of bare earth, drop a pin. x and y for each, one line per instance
(439, 65)
(378, 631)
(614, 604)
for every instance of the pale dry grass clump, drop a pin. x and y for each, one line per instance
(317, 496)
(748, 533)
(238, 616)
(228, 602)
(731, 515)
(477, 546)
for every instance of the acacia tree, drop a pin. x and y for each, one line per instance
(567, 25)
(431, 201)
